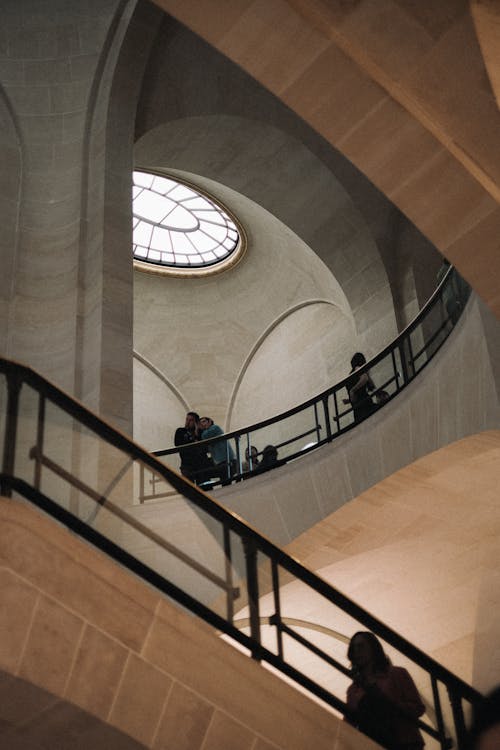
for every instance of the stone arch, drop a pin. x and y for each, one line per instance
(288, 351)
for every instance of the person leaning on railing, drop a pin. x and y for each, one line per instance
(196, 464)
(359, 386)
(221, 450)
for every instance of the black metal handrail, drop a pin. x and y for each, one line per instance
(26, 423)
(399, 362)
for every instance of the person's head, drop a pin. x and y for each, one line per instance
(252, 452)
(192, 419)
(365, 650)
(269, 454)
(358, 360)
(205, 422)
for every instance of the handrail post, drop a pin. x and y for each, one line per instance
(439, 714)
(326, 410)
(39, 441)
(317, 425)
(402, 356)
(238, 454)
(250, 549)
(14, 384)
(276, 620)
(458, 718)
(142, 488)
(228, 563)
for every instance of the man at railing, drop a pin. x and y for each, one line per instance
(195, 462)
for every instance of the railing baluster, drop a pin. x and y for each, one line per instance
(326, 412)
(439, 714)
(316, 419)
(229, 573)
(250, 549)
(39, 441)
(458, 718)
(9, 447)
(276, 619)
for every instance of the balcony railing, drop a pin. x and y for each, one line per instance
(325, 417)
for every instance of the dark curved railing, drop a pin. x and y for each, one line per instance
(325, 417)
(86, 474)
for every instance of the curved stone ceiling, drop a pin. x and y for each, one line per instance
(400, 89)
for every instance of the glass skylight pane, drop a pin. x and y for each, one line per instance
(142, 233)
(151, 206)
(181, 193)
(218, 233)
(181, 220)
(154, 255)
(140, 252)
(160, 239)
(202, 241)
(198, 202)
(181, 258)
(143, 178)
(162, 185)
(180, 242)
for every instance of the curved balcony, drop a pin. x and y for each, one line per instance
(327, 416)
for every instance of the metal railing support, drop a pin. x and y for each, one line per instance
(14, 384)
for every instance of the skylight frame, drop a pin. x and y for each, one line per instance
(213, 241)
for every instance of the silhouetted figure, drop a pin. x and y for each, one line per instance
(269, 458)
(195, 461)
(359, 386)
(381, 397)
(382, 701)
(251, 459)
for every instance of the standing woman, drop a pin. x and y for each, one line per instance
(382, 701)
(359, 387)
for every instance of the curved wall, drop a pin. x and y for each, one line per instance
(454, 396)
(400, 89)
(223, 124)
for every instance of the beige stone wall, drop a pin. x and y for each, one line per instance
(82, 633)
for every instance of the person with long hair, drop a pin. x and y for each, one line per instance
(359, 386)
(382, 700)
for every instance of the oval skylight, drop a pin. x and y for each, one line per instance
(177, 227)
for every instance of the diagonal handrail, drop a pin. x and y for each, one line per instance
(254, 544)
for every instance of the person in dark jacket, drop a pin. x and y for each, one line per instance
(196, 465)
(382, 700)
